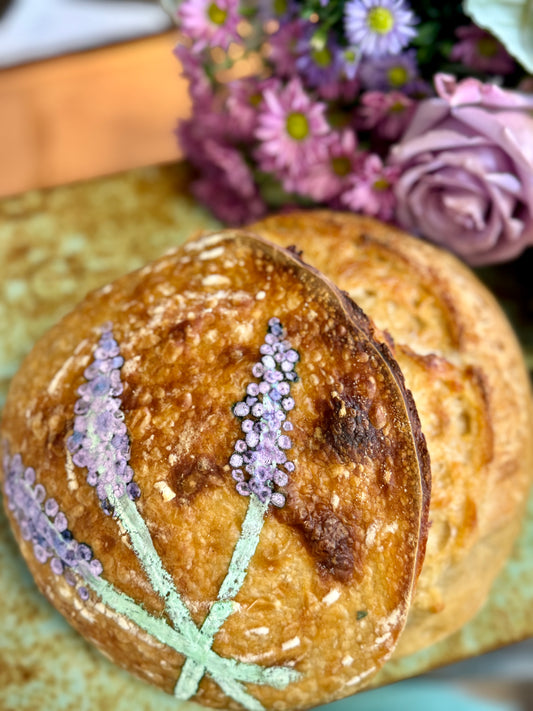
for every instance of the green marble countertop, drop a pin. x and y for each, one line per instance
(57, 245)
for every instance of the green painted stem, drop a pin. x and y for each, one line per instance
(164, 633)
(230, 669)
(192, 672)
(192, 642)
(127, 513)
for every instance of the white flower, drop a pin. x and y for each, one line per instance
(511, 21)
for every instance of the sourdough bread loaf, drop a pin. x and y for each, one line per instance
(216, 473)
(462, 362)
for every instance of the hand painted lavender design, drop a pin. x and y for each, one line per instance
(42, 523)
(100, 440)
(100, 444)
(261, 454)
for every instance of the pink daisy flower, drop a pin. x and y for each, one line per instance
(345, 90)
(291, 129)
(232, 166)
(226, 204)
(379, 27)
(283, 47)
(481, 51)
(329, 177)
(370, 191)
(242, 105)
(193, 70)
(210, 23)
(388, 114)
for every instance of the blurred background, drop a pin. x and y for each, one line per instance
(90, 88)
(87, 87)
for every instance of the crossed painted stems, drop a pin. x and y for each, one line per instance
(101, 445)
(185, 637)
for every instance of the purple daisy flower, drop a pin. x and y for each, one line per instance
(280, 10)
(328, 178)
(208, 23)
(283, 47)
(379, 27)
(351, 58)
(397, 72)
(292, 130)
(319, 66)
(481, 51)
(371, 189)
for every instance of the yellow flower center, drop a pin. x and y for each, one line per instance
(380, 20)
(255, 99)
(297, 125)
(322, 57)
(397, 107)
(216, 14)
(341, 166)
(280, 7)
(381, 184)
(397, 76)
(350, 56)
(338, 118)
(487, 47)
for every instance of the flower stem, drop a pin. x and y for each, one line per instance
(243, 552)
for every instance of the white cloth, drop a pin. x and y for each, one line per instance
(35, 29)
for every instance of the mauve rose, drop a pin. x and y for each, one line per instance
(466, 170)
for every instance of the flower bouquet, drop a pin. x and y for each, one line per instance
(418, 113)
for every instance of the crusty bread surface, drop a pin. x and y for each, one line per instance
(462, 362)
(325, 594)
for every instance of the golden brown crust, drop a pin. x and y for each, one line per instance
(462, 362)
(329, 587)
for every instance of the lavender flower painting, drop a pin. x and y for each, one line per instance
(100, 444)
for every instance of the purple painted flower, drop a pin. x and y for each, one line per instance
(100, 441)
(45, 526)
(284, 47)
(482, 52)
(388, 115)
(292, 130)
(371, 189)
(259, 462)
(379, 27)
(209, 23)
(328, 178)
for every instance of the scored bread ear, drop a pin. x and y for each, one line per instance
(240, 470)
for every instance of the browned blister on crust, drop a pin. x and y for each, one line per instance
(329, 587)
(465, 369)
